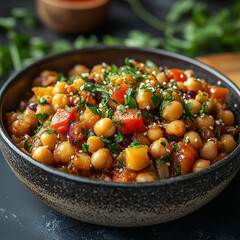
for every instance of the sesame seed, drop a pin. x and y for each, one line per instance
(219, 82)
(148, 107)
(168, 150)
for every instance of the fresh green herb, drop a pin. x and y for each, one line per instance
(118, 86)
(150, 63)
(156, 99)
(148, 114)
(109, 113)
(68, 108)
(106, 140)
(163, 105)
(71, 166)
(90, 134)
(75, 92)
(138, 114)
(85, 147)
(167, 156)
(18, 111)
(38, 129)
(203, 109)
(114, 148)
(128, 63)
(94, 110)
(187, 141)
(187, 108)
(121, 108)
(178, 170)
(160, 162)
(83, 130)
(41, 117)
(82, 103)
(135, 144)
(163, 144)
(120, 163)
(28, 147)
(118, 122)
(91, 169)
(176, 146)
(50, 131)
(42, 101)
(119, 138)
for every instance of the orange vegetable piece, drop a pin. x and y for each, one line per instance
(216, 92)
(90, 118)
(176, 74)
(137, 157)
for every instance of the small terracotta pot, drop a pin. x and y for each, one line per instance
(73, 17)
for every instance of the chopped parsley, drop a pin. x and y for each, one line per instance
(109, 113)
(118, 122)
(121, 108)
(119, 138)
(42, 101)
(148, 114)
(160, 162)
(68, 108)
(50, 131)
(176, 146)
(187, 108)
(203, 109)
(178, 170)
(163, 144)
(156, 99)
(28, 147)
(106, 140)
(41, 117)
(135, 144)
(85, 147)
(38, 129)
(138, 114)
(114, 148)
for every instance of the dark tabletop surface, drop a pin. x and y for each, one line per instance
(23, 216)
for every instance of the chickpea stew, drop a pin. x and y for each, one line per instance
(134, 123)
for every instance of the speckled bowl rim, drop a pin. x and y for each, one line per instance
(4, 135)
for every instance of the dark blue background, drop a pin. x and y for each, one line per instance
(22, 216)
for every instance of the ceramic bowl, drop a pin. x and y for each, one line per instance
(73, 17)
(111, 203)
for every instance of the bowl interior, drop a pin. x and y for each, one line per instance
(14, 90)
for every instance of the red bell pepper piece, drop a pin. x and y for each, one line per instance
(219, 93)
(61, 119)
(176, 74)
(119, 93)
(132, 123)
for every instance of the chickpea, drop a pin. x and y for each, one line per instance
(177, 128)
(229, 143)
(20, 127)
(144, 99)
(189, 73)
(64, 152)
(77, 83)
(43, 155)
(204, 83)
(82, 161)
(60, 87)
(193, 84)
(45, 109)
(30, 117)
(94, 144)
(173, 111)
(145, 177)
(181, 86)
(205, 121)
(49, 140)
(104, 127)
(200, 164)
(154, 133)
(194, 139)
(101, 159)
(48, 98)
(78, 69)
(161, 78)
(208, 151)
(60, 100)
(196, 106)
(174, 94)
(227, 117)
(160, 148)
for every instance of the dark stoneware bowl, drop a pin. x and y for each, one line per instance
(110, 203)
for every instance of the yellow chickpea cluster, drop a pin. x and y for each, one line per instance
(134, 123)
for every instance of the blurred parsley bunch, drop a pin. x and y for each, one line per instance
(189, 28)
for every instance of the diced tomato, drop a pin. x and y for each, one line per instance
(61, 119)
(218, 93)
(132, 123)
(176, 74)
(118, 93)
